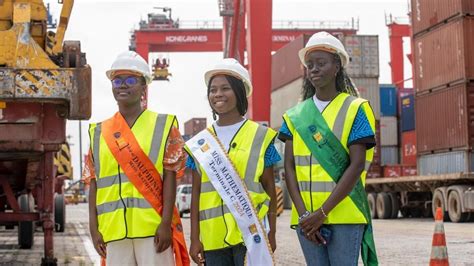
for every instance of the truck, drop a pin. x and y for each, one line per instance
(44, 81)
(420, 196)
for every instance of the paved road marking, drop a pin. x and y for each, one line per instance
(88, 245)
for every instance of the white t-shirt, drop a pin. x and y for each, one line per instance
(227, 133)
(320, 104)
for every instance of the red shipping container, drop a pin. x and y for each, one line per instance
(378, 146)
(286, 65)
(445, 119)
(392, 170)
(408, 148)
(375, 171)
(428, 13)
(409, 170)
(194, 126)
(444, 55)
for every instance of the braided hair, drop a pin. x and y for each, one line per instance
(238, 88)
(343, 82)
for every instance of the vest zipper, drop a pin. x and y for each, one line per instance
(225, 223)
(123, 202)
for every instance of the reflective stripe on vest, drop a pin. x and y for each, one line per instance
(314, 183)
(221, 210)
(115, 192)
(121, 204)
(302, 160)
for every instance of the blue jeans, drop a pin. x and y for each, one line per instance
(343, 247)
(234, 255)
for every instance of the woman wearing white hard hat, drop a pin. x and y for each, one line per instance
(329, 145)
(134, 160)
(218, 232)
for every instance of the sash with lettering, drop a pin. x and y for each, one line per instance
(143, 175)
(208, 151)
(332, 156)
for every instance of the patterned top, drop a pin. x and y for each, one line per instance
(174, 157)
(271, 158)
(361, 131)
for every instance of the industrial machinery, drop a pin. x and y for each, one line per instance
(44, 80)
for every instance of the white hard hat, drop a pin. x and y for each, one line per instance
(232, 67)
(326, 42)
(130, 61)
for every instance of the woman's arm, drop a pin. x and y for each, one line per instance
(290, 178)
(196, 250)
(268, 183)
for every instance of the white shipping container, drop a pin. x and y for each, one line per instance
(369, 90)
(283, 99)
(444, 163)
(389, 155)
(388, 131)
(364, 53)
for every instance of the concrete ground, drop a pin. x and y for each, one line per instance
(399, 242)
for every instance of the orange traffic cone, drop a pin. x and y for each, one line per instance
(439, 251)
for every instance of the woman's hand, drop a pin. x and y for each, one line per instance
(196, 251)
(310, 227)
(272, 240)
(99, 243)
(162, 237)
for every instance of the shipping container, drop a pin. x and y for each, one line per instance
(407, 116)
(369, 90)
(362, 49)
(444, 163)
(445, 55)
(364, 53)
(408, 148)
(409, 170)
(377, 150)
(375, 171)
(403, 93)
(389, 131)
(392, 171)
(388, 100)
(194, 126)
(445, 119)
(283, 99)
(286, 65)
(389, 155)
(428, 13)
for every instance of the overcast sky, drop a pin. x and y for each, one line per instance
(103, 27)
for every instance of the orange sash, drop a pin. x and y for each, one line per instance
(144, 176)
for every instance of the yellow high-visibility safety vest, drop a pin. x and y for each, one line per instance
(247, 152)
(122, 211)
(314, 182)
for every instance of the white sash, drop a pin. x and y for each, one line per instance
(208, 151)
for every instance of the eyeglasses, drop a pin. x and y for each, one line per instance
(129, 82)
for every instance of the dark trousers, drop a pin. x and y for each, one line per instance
(234, 255)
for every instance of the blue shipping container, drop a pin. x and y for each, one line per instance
(408, 113)
(388, 100)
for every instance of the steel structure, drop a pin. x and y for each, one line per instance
(258, 38)
(397, 31)
(44, 81)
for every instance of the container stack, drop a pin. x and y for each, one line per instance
(364, 71)
(389, 131)
(443, 34)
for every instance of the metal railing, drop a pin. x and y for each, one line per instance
(352, 24)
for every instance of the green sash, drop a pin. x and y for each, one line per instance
(333, 158)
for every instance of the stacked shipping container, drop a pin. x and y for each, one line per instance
(444, 78)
